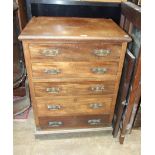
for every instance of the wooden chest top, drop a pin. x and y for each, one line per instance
(73, 28)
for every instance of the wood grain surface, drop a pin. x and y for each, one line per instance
(67, 89)
(73, 28)
(74, 121)
(73, 69)
(73, 105)
(74, 52)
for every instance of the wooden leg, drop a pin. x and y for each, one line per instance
(116, 127)
(121, 139)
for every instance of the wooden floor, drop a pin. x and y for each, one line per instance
(96, 143)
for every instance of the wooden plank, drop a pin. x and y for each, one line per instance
(122, 21)
(74, 122)
(134, 110)
(73, 28)
(74, 69)
(130, 28)
(68, 89)
(124, 45)
(126, 25)
(29, 71)
(51, 52)
(135, 86)
(137, 121)
(123, 90)
(78, 105)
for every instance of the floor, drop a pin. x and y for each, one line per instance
(101, 143)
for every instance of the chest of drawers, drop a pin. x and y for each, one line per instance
(74, 67)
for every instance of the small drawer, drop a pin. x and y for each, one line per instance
(74, 89)
(75, 52)
(67, 122)
(74, 70)
(77, 105)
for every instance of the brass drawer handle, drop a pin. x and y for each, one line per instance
(50, 52)
(95, 105)
(52, 71)
(99, 70)
(55, 123)
(98, 88)
(94, 121)
(53, 107)
(53, 90)
(102, 52)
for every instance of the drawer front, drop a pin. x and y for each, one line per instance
(75, 52)
(63, 106)
(91, 121)
(74, 89)
(73, 70)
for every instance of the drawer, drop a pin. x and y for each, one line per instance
(73, 89)
(91, 121)
(74, 70)
(65, 106)
(75, 52)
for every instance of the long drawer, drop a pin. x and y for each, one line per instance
(75, 52)
(73, 89)
(74, 69)
(77, 105)
(74, 121)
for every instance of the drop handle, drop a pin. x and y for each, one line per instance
(53, 107)
(55, 123)
(52, 71)
(99, 70)
(53, 90)
(94, 121)
(95, 105)
(50, 52)
(102, 52)
(98, 88)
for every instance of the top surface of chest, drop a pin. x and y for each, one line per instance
(73, 28)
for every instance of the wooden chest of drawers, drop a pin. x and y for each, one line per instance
(74, 67)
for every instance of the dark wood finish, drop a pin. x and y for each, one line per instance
(135, 91)
(134, 110)
(132, 12)
(137, 2)
(124, 114)
(137, 119)
(123, 90)
(73, 80)
(19, 71)
(22, 14)
(74, 121)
